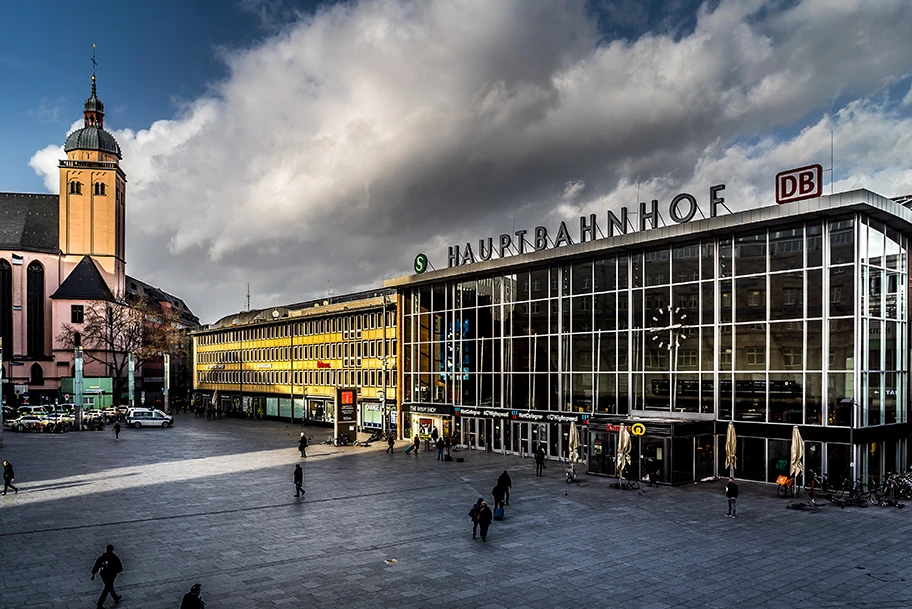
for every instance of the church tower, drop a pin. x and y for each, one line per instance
(93, 197)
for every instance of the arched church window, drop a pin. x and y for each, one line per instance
(36, 375)
(75, 188)
(6, 307)
(35, 309)
(99, 188)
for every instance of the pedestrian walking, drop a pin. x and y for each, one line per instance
(299, 480)
(498, 494)
(110, 566)
(473, 514)
(485, 516)
(8, 476)
(731, 491)
(417, 444)
(540, 461)
(439, 446)
(506, 483)
(117, 431)
(302, 445)
(447, 442)
(390, 442)
(192, 599)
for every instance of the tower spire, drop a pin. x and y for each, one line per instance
(93, 108)
(94, 65)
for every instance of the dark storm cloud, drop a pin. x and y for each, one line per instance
(354, 138)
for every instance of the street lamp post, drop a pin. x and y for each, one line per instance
(1, 391)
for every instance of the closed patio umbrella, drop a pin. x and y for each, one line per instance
(797, 467)
(574, 443)
(731, 449)
(623, 454)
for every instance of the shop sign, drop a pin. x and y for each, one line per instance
(217, 367)
(523, 415)
(262, 366)
(427, 409)
(799, 184)
(346, 405)
(681, 209)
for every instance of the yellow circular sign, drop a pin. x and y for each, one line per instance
(638, 429)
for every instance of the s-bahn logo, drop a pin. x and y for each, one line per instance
(799, 184)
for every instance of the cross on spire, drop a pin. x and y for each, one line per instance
(94, 65)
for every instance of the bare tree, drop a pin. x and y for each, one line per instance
(111, 331)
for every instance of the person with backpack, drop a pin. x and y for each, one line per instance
(302, 445)
(473, 514)
(110, 566)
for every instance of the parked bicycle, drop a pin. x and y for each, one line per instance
(787, 486)
(625, 484)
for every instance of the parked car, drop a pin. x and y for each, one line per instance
(29, 422)
(148, 417)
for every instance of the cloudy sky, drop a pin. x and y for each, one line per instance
(286, 144)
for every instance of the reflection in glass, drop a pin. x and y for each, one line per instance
(750, 299)
(750, 397)
(685, 263)
(786, 249)
(750, 347)
(787, 296)
(842, 242)
(842, 291)
(750, 254)
(842, 344)
(814, 241)
(840, 398)
(657, 267)
(815, 293)
(813, 398)
(787, 346)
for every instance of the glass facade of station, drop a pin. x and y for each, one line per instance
(798, 322)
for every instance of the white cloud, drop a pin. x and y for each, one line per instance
(349, 140)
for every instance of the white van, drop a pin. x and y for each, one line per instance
(148, 417)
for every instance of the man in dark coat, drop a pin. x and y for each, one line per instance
(498, 493)
(192, 599)
(473, 513)
(485, 516)
(439, 446)
(417, 444)
(299, 480)
(8, 477)
(117, 430)
(302, 445)
(110, 567)
(731, 491)
(540, 461)
(506, 483)
(390, 442)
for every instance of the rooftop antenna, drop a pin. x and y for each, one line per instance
(832, 161)
(248, 297)
(329, 291)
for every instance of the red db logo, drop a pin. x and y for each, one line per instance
(799, 184)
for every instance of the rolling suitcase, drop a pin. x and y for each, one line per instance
(498, 514)
(409, 449)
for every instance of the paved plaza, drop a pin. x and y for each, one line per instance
(213, 502)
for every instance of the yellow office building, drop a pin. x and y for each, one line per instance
(287, 363)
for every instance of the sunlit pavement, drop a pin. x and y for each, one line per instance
(213, 502)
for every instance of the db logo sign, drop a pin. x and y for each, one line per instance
(799, 184)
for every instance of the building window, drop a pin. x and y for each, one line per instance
(756, 356)
(36, 375)
(100, 189)
(77, 314)
(6, 306)
(75, 188)
(35, 306)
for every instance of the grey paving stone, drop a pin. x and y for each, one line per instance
(212, 502)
